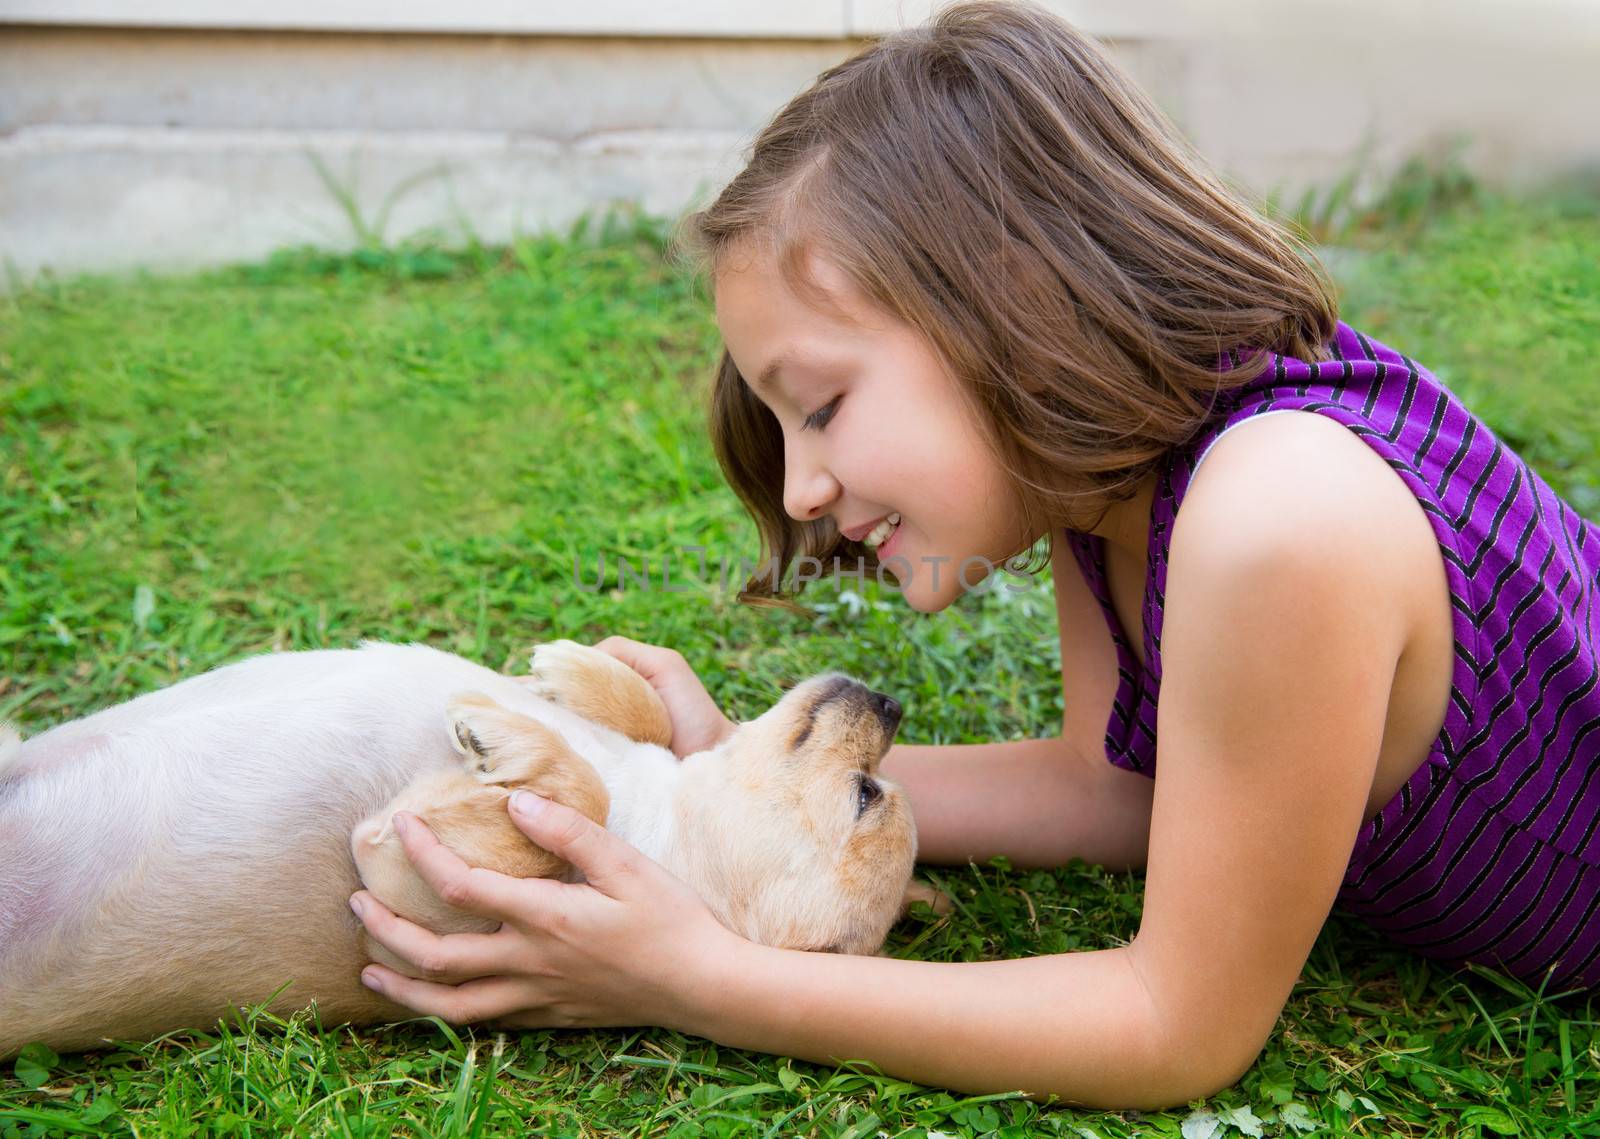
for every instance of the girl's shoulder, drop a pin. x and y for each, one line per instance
(1358, 450)
(1299, 491)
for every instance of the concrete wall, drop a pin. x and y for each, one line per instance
(171, 148)
(179, 132)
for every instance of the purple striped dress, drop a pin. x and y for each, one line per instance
(1491, 851)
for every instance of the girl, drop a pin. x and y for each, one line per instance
(974, 290)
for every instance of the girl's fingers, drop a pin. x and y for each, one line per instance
(470, 888)
(606, 861)
(623, 649)
(647, 660)
(473, 1001)
(447, 959)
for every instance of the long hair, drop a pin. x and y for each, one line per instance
(995, 181)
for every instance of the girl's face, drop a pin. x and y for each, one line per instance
(874, 425)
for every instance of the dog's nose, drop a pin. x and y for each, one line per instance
(887, 708)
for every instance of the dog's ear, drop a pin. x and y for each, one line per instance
(929, 895)
(490, 739)
(599, 687)
(508, 749)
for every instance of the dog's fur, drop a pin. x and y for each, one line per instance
(190, 850)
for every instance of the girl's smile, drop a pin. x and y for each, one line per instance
(881, 538)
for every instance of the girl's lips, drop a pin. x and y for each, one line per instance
(860, 533)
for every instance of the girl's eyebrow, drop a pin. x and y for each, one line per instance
(766, 382)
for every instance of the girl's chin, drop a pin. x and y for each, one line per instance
(929, 602)
(927, 584)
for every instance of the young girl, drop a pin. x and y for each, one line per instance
(975, 290)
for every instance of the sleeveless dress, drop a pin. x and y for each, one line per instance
(1491, 851)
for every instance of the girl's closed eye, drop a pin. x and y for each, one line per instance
(818, 419)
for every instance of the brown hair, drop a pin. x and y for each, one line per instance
(995, 181)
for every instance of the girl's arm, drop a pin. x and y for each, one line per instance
(1039, 802)
(1289, 603)
(1272, 707)
(1286, 615)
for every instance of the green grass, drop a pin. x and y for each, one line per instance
(412, 444)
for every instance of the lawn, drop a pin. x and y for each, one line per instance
(418, 445)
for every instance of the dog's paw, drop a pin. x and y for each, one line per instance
(559, 671)
(600, 688)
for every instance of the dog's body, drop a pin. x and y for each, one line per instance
(188, 851)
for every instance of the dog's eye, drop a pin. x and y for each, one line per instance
(868, 794)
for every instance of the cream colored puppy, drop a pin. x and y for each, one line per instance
(191, 850)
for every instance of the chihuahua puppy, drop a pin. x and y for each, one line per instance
(193, 850)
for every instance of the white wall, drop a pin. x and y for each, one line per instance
(743, 19)
(180, 132)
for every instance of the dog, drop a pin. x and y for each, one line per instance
(194, 849)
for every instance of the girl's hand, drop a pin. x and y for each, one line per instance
(632, 946)
(697, 722)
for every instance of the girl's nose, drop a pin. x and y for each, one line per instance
(808, 489)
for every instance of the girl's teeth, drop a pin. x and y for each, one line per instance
(880, 533)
